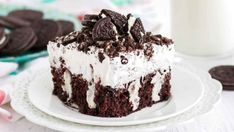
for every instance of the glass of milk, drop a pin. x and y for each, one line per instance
(203, 27)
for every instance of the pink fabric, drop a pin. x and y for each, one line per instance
(4, 113)
(2, 96)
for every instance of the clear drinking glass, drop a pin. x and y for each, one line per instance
(203, 27)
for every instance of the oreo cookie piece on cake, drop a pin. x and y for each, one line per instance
(112, 67)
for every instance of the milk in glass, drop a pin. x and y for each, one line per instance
(203, 27)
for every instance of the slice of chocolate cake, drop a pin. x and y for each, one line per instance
(112, 67)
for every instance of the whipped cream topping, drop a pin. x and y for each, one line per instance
(111, 71)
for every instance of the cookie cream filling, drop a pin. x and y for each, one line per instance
(111, 72)
(131, 21)
(2, 40)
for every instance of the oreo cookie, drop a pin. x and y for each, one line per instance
(91, 17)
(13, 22)
(26, 14)
(120, 21)
(88, 23)
(104, 30)
(90, 20)
(66, 27)
(21, 40)
(225, 74)
(45, 30)
(137, 30)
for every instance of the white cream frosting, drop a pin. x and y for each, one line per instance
(111, 71)
(133, 92)
(67, 83)
(90, 96)
(157, 81)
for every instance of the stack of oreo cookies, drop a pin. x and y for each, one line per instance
(23, 30)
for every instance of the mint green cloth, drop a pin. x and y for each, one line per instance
(28, 56)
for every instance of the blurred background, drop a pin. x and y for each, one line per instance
(154, 13)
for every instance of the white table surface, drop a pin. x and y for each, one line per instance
(220, 119)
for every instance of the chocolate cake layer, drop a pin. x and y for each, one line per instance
(110, 102)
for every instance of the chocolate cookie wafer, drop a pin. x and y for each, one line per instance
(90, 20)
(13, 22)
(66, 26)
(103, 30)
(225, 74)
(26, 14)
(2, 32)
(45, 30)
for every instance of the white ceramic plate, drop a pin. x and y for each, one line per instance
(187, 90)
(21, 103)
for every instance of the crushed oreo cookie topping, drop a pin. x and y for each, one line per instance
(114, 33)
(148, 50)
(124, 60)
(101, 57)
